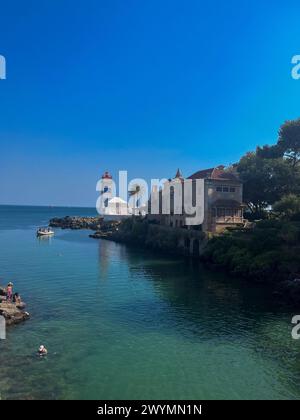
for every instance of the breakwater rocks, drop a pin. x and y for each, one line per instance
(107, 230)
(12, 313)
(76, 222)
(103, 228)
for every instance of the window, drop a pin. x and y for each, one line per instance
(225, 189)
(105, 189)
(220, 212)
(238, 212)
(230, 212)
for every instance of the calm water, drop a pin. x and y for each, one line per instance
(123, 323)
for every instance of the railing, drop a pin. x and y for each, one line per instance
(228, 219)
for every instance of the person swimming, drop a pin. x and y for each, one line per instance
(42, 351)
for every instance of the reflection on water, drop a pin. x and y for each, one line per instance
(44, 240)
(124, 323)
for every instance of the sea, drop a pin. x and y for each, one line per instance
(121, 322)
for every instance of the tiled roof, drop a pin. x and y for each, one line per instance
(214, 173)
(205, 173)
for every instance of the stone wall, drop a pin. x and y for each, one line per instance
(157, 237)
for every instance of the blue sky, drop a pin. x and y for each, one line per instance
(146, 86)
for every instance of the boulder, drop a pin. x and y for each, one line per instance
(12, 314)
(76, 222)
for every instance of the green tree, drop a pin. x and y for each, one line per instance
(260, 183)
(272, 171)
(269, 152)
(288, 206)
(289, 141)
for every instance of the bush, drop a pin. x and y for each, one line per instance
(288, 206)
(268, 252)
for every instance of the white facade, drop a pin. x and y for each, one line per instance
(116, 207)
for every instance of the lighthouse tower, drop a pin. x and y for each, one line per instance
(106, 192)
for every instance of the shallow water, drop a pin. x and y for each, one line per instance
(121, 323)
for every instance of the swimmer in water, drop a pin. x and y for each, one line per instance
(42, 351)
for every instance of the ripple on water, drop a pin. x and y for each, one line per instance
(122, 323)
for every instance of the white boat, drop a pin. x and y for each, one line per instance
(44, 231)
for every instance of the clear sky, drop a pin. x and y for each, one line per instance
(146, 86)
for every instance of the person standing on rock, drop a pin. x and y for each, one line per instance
(9, 292)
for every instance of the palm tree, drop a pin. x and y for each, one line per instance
(135, 192)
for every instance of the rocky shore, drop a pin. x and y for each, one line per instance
(103, 228)
(107, 230)
(12, 313)
(77, 222)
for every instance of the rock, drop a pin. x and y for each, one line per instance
(103, 228)
(100, 235)
(108, 228)
(12, 314)
(76, 222)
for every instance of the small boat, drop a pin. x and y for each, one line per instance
(44, 231)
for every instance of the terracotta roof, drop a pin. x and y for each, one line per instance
(205, 173)
(214, 173)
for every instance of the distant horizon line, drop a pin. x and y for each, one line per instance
(45, 205)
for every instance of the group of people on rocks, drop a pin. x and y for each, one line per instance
(12, 297)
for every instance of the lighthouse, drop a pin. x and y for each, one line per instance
(106, 188)
(108, 204)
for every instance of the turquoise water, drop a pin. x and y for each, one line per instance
(122, 323)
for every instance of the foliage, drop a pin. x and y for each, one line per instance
(289, 141)
(288, 206)
(272, 172)
(269, 252)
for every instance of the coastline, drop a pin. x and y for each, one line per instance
(217, 252)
